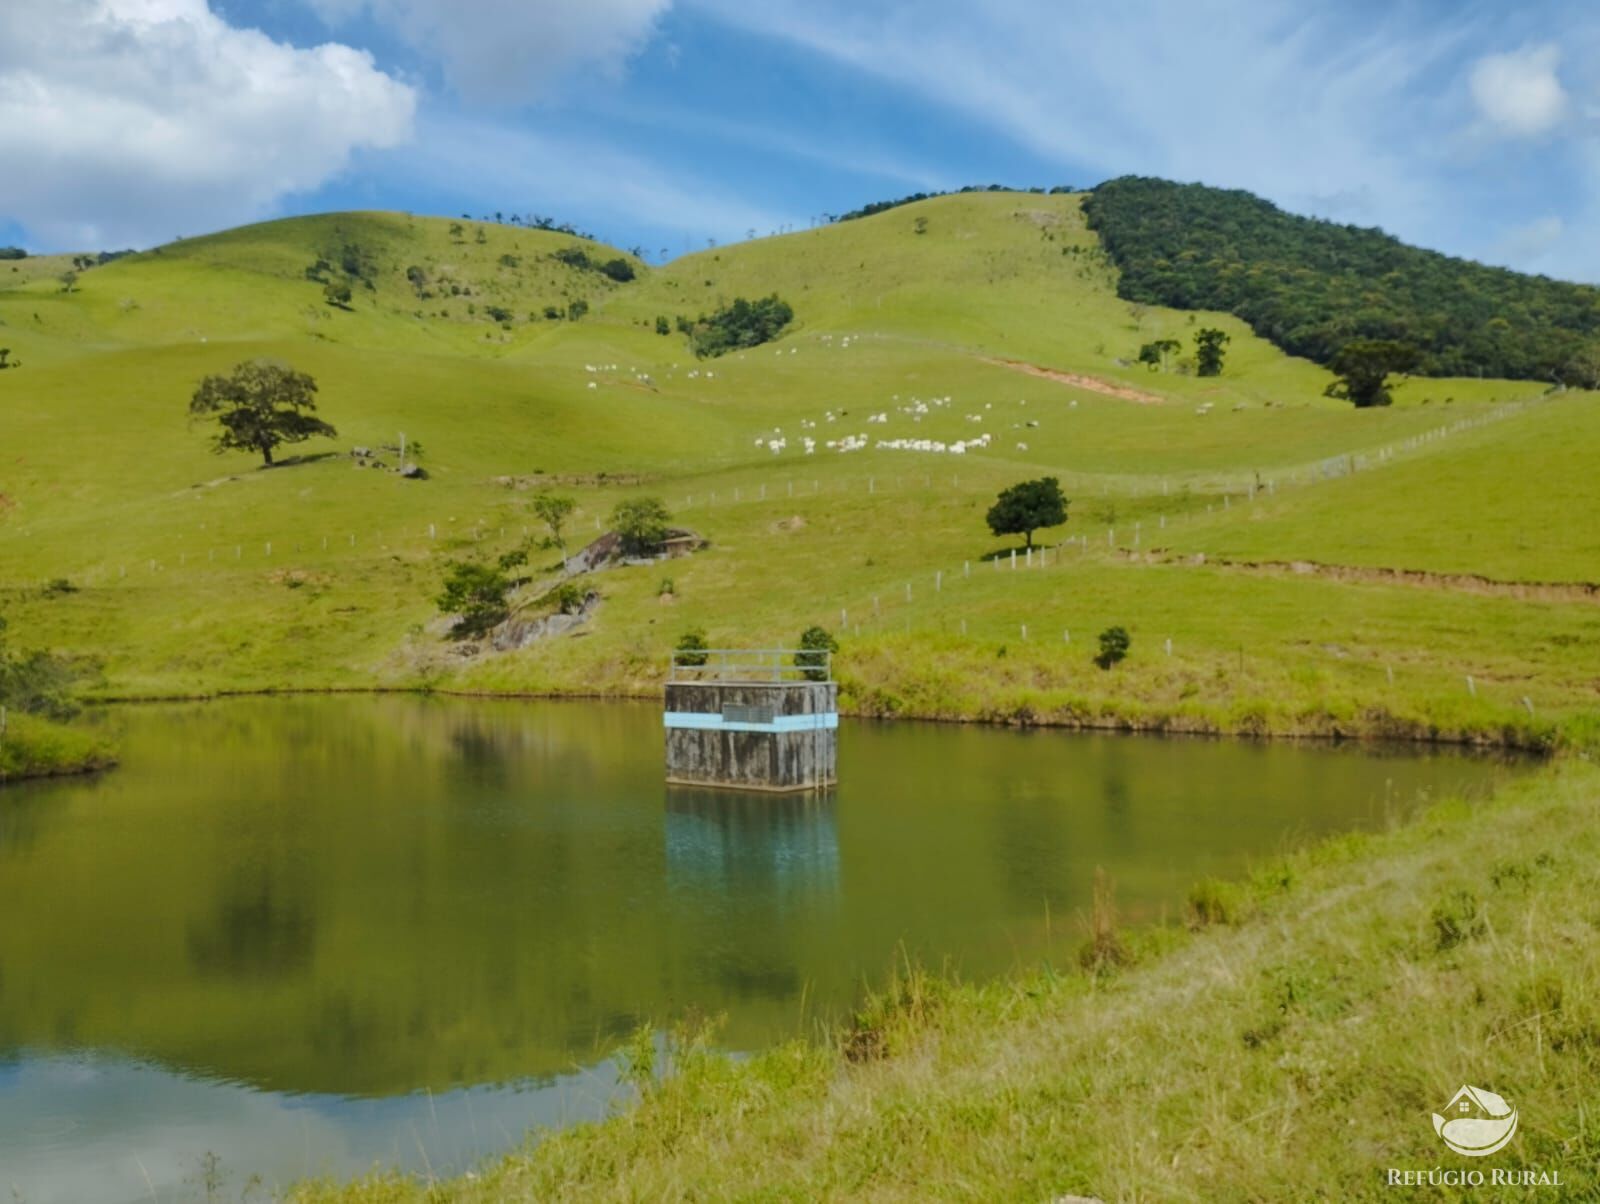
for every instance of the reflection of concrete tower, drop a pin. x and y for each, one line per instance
(783, 846)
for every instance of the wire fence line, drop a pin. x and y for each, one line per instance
(343, 543)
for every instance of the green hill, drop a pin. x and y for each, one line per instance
(979, 314)
(1312, 286)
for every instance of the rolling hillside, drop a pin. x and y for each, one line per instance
(978, 314)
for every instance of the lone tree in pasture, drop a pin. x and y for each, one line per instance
(337, 294)
(1114, 644)
(260, 405)
(1155, 354)
(642, 523)
(553, 511)
(1208, 353)
(1363, 367)
(1025, 507)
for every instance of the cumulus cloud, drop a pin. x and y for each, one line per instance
(131, 121)
(511, 50)
(1519, 92)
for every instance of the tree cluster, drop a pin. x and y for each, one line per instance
(618, 269)
(738, 325)
(1313, 286)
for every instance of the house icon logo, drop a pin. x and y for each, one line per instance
(1476, 1122)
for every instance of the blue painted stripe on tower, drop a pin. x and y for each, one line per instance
(712, 721)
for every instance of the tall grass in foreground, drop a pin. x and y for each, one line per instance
(1290, 1043)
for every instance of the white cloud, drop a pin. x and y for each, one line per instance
(131, 121)
(1274, 96)
(512, 50)
(1519, 92)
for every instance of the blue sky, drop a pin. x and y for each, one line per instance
(1471, 128)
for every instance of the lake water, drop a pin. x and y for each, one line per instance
(296, 937)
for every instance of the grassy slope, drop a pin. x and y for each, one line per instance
(1354, 986)
(203, 574)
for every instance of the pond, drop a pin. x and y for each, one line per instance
(295, 937)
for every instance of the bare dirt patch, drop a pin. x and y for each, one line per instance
(1078, 381)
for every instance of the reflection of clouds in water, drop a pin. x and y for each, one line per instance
(106, 1129)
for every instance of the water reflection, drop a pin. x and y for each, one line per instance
(786, 845)
(321, 907)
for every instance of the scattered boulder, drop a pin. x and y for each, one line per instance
(413, 472)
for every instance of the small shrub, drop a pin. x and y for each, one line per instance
(691, 647)
(667, 589)
(568, 598)
(662, 325)
(1114, 644)
(58, 587)
(816, 646)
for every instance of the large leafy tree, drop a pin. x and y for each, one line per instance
(1027, 506)
(260, 406)
(1363, 367)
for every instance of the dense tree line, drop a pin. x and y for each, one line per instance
(1314, 286)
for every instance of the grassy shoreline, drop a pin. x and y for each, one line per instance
(1325, 1006)
(36, 748)
(1252, 719)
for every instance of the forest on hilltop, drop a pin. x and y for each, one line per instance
(1312, 286)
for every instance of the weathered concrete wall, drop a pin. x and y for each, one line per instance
(752, 736)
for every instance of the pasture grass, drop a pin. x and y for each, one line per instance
(201, 574)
